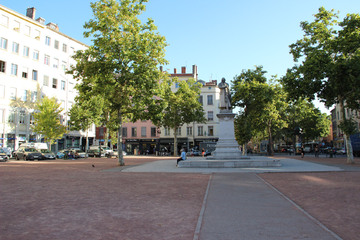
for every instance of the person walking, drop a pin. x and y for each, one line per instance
(182, 156)
(302, 152)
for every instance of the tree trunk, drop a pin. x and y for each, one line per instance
(87, 141)
(270, 147)
(349, 150)
(119, 141)
(175, 143)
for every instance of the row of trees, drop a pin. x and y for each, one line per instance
(118, 78)
(267, 112)
(327, 66)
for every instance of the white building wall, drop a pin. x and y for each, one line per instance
(31, 34)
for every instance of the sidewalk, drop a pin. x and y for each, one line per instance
(242, 206)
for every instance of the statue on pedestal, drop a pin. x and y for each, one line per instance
(225, 96)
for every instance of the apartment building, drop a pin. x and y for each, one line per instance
(34, 56)
(336, 117)
(143, 137)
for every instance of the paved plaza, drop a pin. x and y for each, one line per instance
(149, 198)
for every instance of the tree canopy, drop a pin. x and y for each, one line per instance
(329, 68)
(47, 120)
(123, 63)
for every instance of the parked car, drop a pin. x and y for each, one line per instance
(3, 156)
(78, 153)
(340, 151)
(115, 153)
(7, 151)
(27, 153)
(47, 154)
(96, 151)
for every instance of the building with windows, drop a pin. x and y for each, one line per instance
(336, 118)
(34, 57)
(143, 137)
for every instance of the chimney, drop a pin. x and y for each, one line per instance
(30, 12)
(174, 70)
(183, 70)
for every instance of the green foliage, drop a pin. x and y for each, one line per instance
(183, 105)
(47, 120)
(262, 104)
(329, 55)
(122, 64)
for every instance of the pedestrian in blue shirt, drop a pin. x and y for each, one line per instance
(182, 156)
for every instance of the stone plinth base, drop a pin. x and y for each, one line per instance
(242, 163)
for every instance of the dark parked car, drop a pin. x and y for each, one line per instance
(27, 153)
(47, 154)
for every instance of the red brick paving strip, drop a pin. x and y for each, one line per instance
(65, 199)
(330, 197)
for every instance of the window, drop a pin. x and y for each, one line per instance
(24, 73)
(200, 131)
(63, 66)
(26, 51)
(4, 20)
(47, 60)
(153, 131)
(46, 81)
(71, 87)
(210, 100)
(189, 131)
(56, 63)
(13, 93)
(22, 117)
(11, 117)
(14, 69)
(33, 96)
(201, 99)
(16, 26)
(3, 43)
(54, 84)
(27, 30)
(178, 131)
(62, 85)
(64, 48)
(167, 131)
(56, 44)
(47, 40)
(37, 34)
(210, 115)
(143, 131)
(2, 66)
(124, 131)
(133, 132)
(36, 55)
(35, 75)
(32, 119)
(210, 131)
(15, 47)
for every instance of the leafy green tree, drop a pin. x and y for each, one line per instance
(84, 113)
(262, 101)
(304, 114)
(122, 64)
(330, 64)
(182, 107)
(47, 120)
(243, 130)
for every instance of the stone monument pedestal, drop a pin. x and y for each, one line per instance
(227, 153)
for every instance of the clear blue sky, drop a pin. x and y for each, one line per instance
(222, 37)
